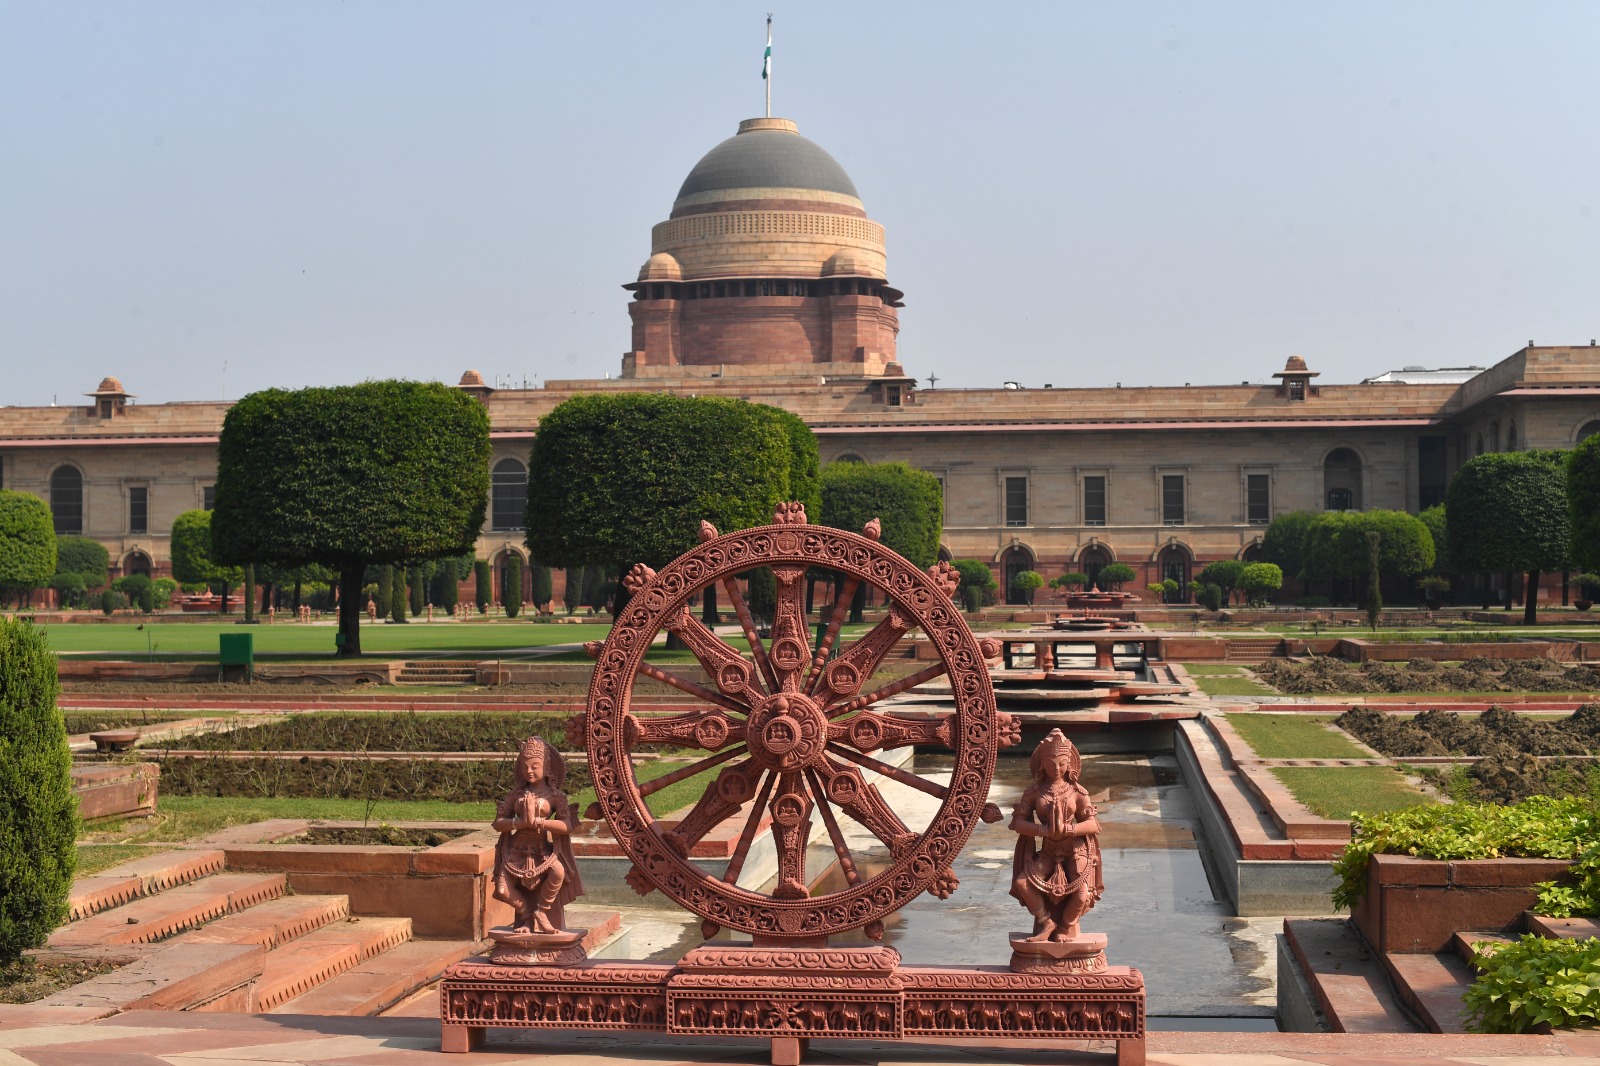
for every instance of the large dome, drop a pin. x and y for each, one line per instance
(767, 153)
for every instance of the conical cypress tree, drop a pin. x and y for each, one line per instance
(511, 596)
(481, 589)
(38, 815)
(385, 595)
(398, 598)
(419, 591)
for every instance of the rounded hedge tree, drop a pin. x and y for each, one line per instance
(38, 814)
(978, 585)
(907, 502)
(85, 557)
(27, 542)
(1507, 511)
(194, 558)
(385, 472)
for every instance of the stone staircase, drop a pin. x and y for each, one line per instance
(1247, 651)
(1364, 991)
(437, 672)
(196, 937)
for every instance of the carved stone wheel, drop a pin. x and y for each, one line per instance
(793, 731)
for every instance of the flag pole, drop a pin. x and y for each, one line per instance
(766, 65)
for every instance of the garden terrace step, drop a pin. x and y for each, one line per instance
(1563, 928)
(1431, 987)
(382, 981)
(272, 923)
(1250, 650)
(1463, 944)
(153, 918)
(300, 965)
(1346, 979)
(140, 877)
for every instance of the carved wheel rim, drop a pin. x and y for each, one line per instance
(793, 731)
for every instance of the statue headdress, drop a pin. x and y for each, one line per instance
(1049, 749)
(555, 768)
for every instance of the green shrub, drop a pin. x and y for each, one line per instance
(137, 588)
(71, 589)
(1536, 982)
(398, 596)
(447, 587)
(1259, 580)
(419, 591)
(978, 585)
(511, 595)
(543, 587)
(27, 542)
(85, 557)
(572, 595)
(1209, 596)
(1579, 895)
(1537, 828)
(38, 818)
(110, 600)
(163, 588)
(481, 590)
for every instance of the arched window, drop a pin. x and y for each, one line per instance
(137, 562)
(66, 500)
(1173, 564)
(1589, 429)
(849, 457)
(508, 495)
(1091, 561)
(1341, 480)
(1016, 559)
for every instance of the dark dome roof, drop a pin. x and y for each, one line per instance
(763, 156)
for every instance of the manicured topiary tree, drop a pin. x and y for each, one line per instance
(978, 585)
(543, 587)
(907, 503)
(1508, 511)
(1259, 581)
(1115, 575)
(615, 480)
(511, 595)
(399, 596)
(1027, 583)
(572, 592)
(193, 558)
(1224, 573)
(382, 472)
(482, 590)
(38, 815)
(85, 557)
(419, 591)
(27, 543)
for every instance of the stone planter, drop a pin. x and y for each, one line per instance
(1415, 905)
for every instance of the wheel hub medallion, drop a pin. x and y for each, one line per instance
(787, 732)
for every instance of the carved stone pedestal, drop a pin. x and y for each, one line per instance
(791, 996)
(514, 948)
(1084, 953)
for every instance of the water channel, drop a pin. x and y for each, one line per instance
(1203, 967)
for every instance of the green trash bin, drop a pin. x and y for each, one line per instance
(237, 649)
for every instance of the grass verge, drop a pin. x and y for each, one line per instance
(93, 858)
(1339, 791)
(1295, 736)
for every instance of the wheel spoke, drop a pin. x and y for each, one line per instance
(841, 608)
(846, 789)
(758, 651)
(894, 688)
(843, 677)
(650, 788)
(791, 829)
(734, 787)
(871, 731)
(789, 652)
(846, 863)
(683, 684)
(723, 664)
(708, 729)
(752, 824)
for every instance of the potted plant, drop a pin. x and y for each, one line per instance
(1433, 589)
(1588, 585)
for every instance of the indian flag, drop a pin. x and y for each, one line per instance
(766, 61)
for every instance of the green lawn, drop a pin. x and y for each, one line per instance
(1212, 669)
(198, 640)
(1295, 736)
(1222, 679)
(1338, 791)
(92, 858)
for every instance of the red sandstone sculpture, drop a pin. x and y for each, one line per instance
(534, 868)
(1056, 872)
(792, 730)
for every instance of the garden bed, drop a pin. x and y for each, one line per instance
(386, 835)
(408, 731)
(354, 778)
(1323, 674)
(31, 979)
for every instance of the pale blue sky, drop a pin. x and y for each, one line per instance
(320, 193)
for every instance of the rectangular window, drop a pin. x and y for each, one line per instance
(1016, 501)
(1258, 499)
(1172, 499)
(208, 497)
(1094, 500)
(138, 509)
(1297, 389)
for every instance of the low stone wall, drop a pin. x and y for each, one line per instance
(1416, 905)
(330, 673)
(110, 790)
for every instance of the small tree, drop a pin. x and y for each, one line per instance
(38, 817)
(1508, 511)
(27, 542)
(1259, 581)
(978, 585)
(1208, 596)
(1224, 573)
(543, 587)
(1072, 579)
(1027, 583)
(511, 595)
(482, 589)
(383, 599)
(192, 558)
(139, 589)
(1374, 578)
(1116, 575)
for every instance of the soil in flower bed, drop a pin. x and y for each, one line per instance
(28, 980)
(392, 836)
(1508, 746)
(1480, 674)
(96, 721)
(404, 731)
(390, 779)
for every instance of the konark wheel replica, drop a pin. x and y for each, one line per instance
(793, 730)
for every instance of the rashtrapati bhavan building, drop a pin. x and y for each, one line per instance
(769, 281)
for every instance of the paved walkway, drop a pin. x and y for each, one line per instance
(66, 1036)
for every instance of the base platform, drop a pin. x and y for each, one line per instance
(791, 996)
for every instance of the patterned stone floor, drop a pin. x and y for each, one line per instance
(67, 1036)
